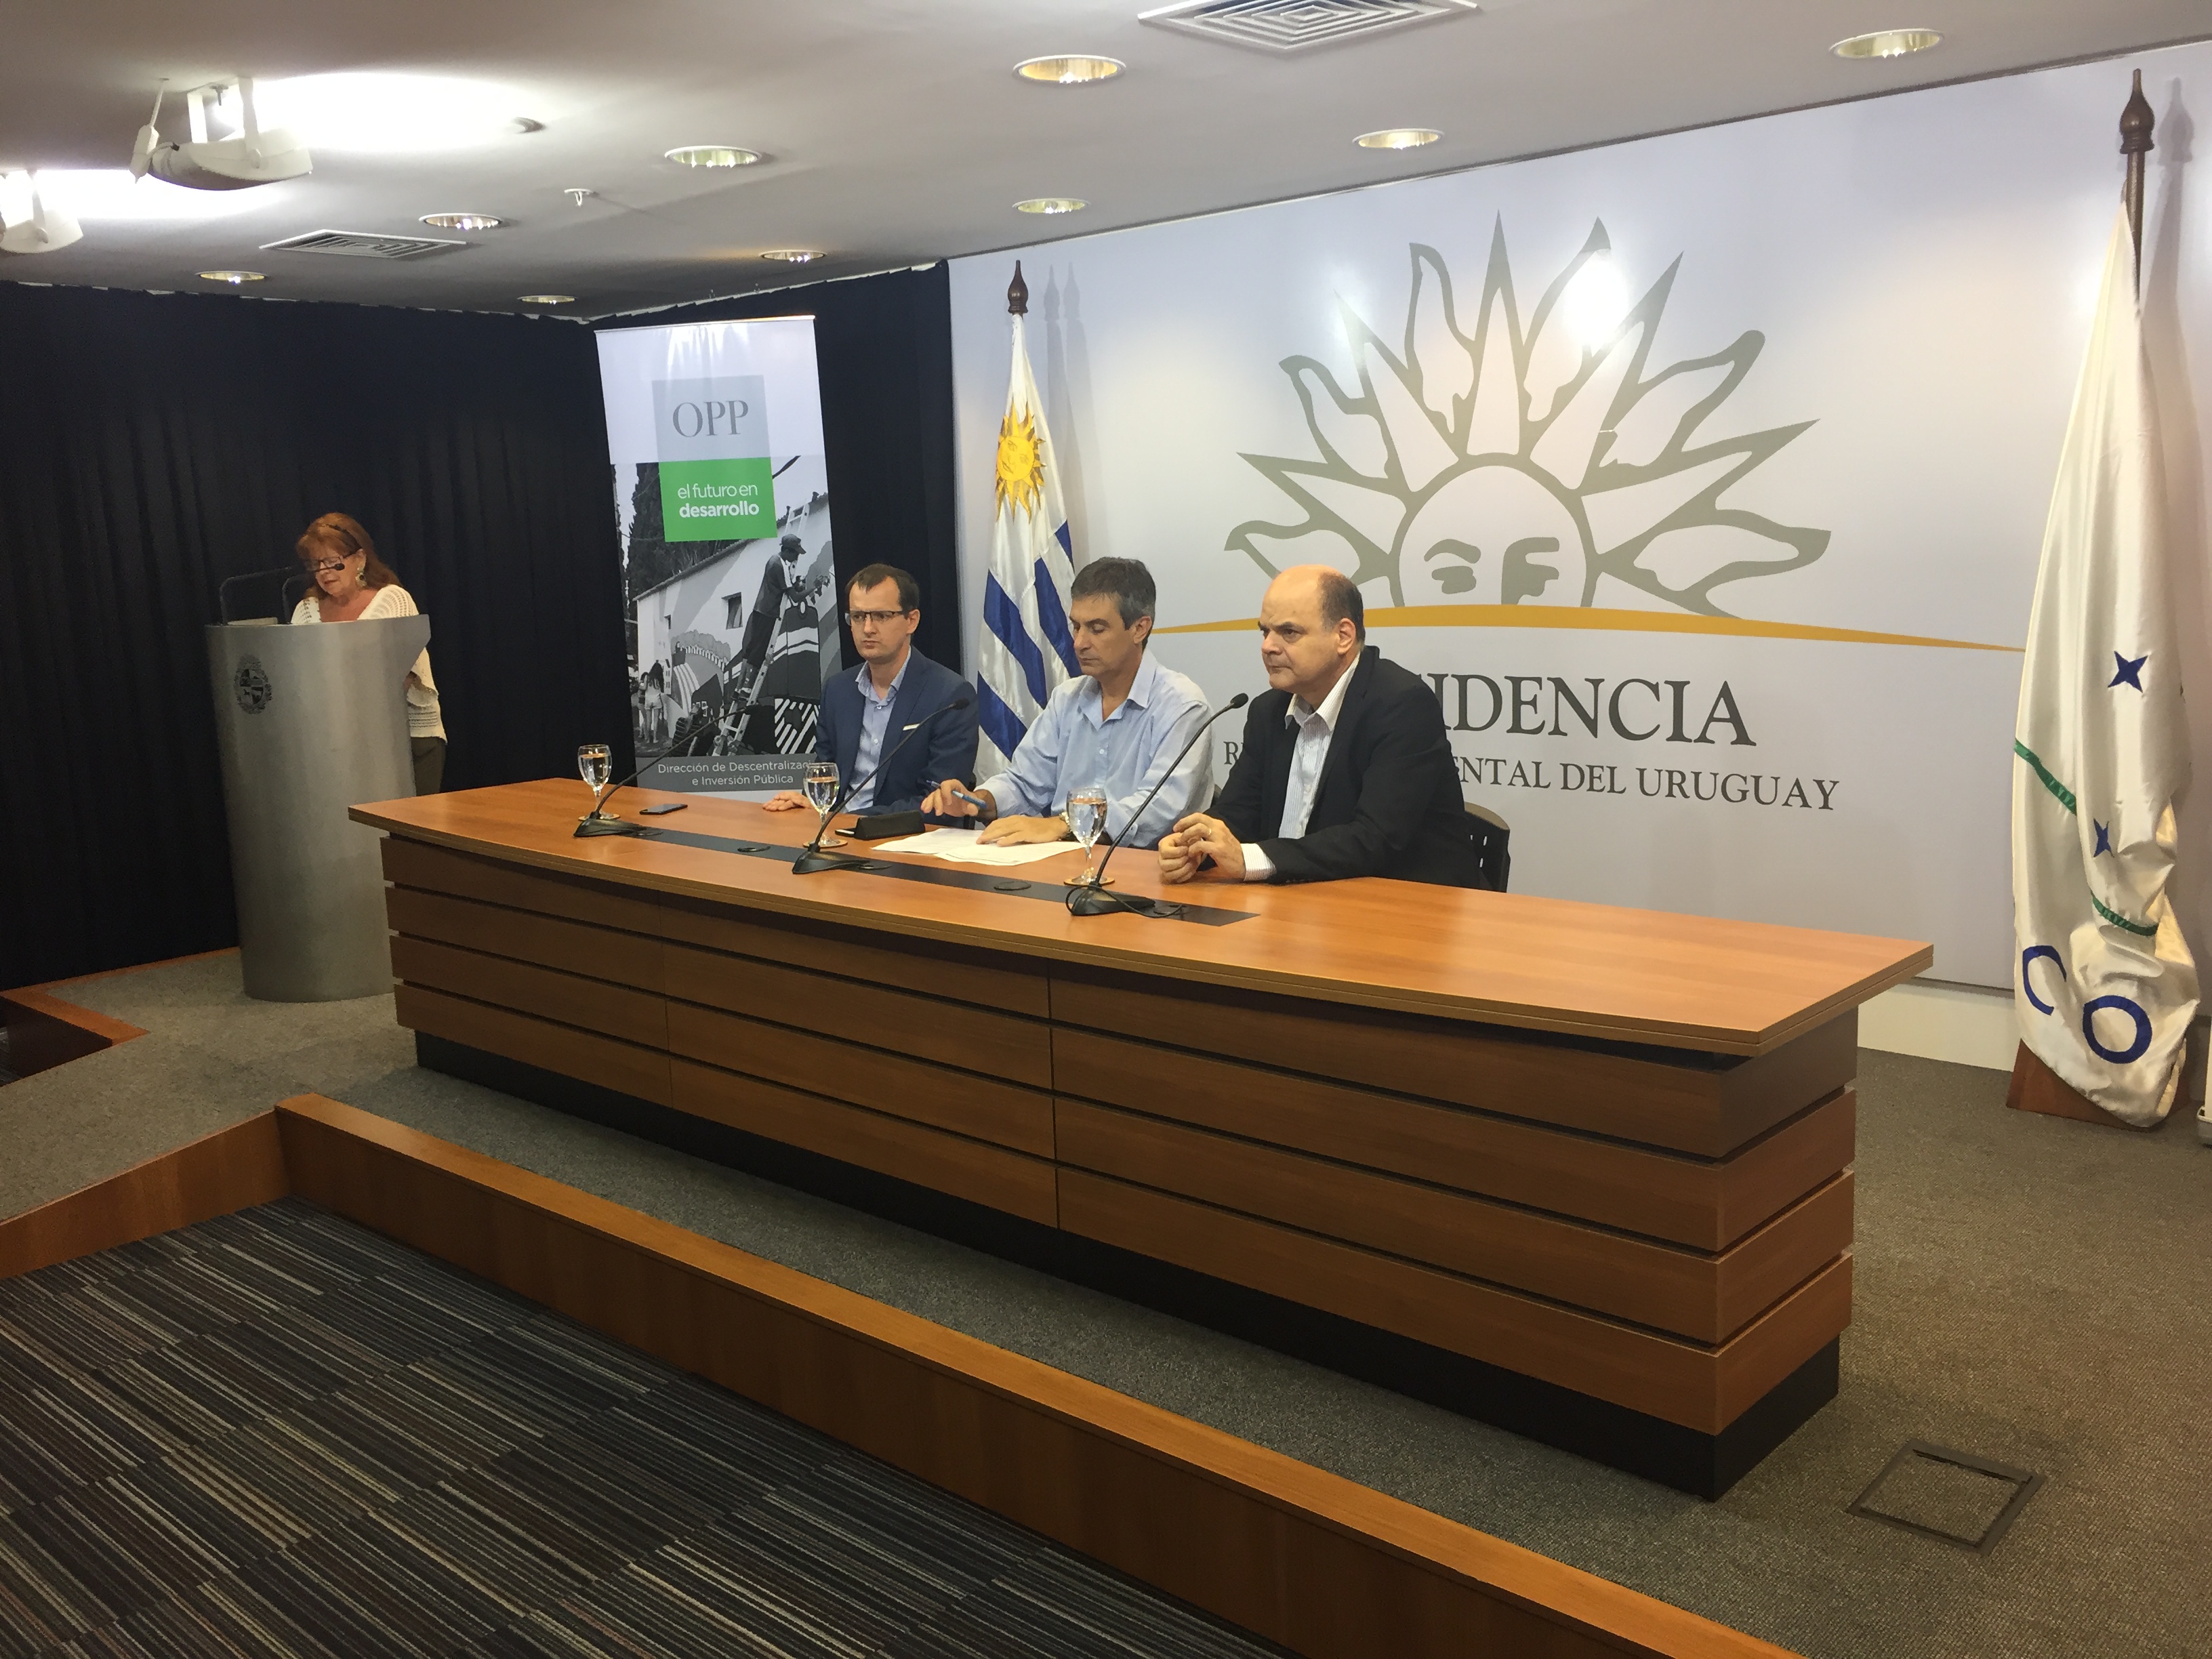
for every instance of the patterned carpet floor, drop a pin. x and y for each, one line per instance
(280, 1434)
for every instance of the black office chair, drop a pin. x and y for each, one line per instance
(1491, 835)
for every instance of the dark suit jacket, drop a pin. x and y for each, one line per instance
(1387, 803)
(947, 750)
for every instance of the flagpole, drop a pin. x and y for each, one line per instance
(2104, 987)
(1018, 291)
(2136, 123)
(1025, 650)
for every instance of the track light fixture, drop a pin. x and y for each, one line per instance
(248, 157)
(27, 223)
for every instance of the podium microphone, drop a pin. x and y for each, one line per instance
(222, 589)
(1092, 899)
(812, 858)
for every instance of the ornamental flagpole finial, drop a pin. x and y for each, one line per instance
(1018, 291)
(2136, 122)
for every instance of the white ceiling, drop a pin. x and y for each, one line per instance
(895, 132)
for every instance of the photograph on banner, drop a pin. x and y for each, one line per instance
(729, 590)
(1644, 457)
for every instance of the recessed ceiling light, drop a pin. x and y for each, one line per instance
(793, 256)
(234, 278)
(1051, 204)
(1069, 70)
(712, 155)
(463, 221)
(546, 299)
(1887, 43)
(1398, 138)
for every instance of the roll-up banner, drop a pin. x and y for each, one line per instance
(1702, 476)
(723, 496)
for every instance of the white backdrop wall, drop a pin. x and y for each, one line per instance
(1874, 322)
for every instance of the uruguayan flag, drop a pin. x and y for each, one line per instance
(1026, 648)
(2107, 987)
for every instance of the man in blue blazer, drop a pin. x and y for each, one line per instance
(867, 713)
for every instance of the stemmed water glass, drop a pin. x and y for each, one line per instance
(1086, 815)
(595, 764)
(822, 794)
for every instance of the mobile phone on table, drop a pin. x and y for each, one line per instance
(666, 806)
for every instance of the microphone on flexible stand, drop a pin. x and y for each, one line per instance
(1091, 899)
(222, 589)
(812, 858)
(597, 822)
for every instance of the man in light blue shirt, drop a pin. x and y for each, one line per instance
(875, 722)
(1120, 724)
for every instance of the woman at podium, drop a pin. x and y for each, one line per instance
(353, 584)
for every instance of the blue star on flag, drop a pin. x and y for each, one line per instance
(2130, 670)
(2104, 839)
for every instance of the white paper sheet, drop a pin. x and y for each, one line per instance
(962, 847)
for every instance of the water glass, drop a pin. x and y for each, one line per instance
(1086, 815)
(822, 794)
(596, 764)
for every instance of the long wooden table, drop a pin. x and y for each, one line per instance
(1579, 1169)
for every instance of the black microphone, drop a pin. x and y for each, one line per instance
(222, 589)
(812, 858)
(1092, 899)
(597, 822)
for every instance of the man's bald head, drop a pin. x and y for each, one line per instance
(1332, 596)
(1312, 622)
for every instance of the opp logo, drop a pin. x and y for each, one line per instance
(710, 417)
(718, 417)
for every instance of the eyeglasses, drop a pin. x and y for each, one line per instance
(875, 619)
(327, 564)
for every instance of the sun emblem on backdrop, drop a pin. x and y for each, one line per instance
(1021, 462)
(1505, 459)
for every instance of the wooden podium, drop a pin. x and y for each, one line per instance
(1579, 1170)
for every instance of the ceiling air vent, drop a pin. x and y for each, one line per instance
(1296, 25)
(362, 245)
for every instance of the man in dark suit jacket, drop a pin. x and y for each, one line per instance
(865, 715)
(1346, 768)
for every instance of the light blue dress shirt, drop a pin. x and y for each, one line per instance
(875, 722)
(1068, 746)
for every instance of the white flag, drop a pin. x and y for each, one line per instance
(2106, 988)
(1027, 648)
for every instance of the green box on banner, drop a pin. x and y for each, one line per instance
(716, 501)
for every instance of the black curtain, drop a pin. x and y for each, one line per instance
(151, 445)
(883, 347)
